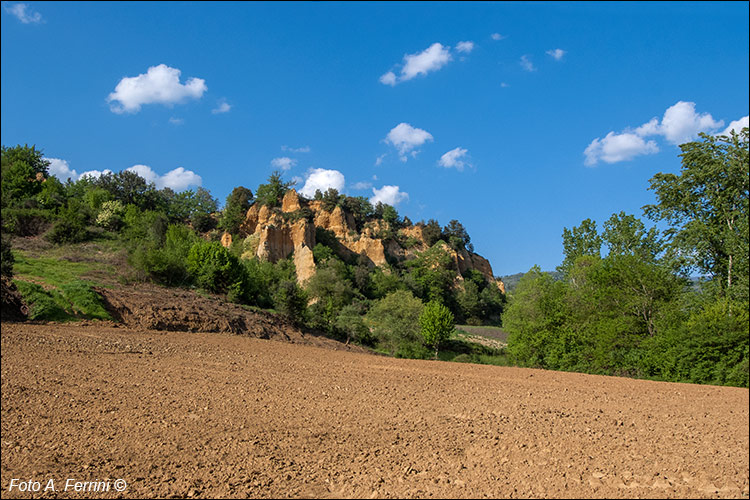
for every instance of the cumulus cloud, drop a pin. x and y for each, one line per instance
(737, 126)
(303, 149)
(159, 85)
(431, 59)
(557, 54)
(23, 13)
(390, 195)
(221, 107)
(455, 158)
(526, 63)
(61, 169)
(497, 36)
(680, 124)
(177, 179)
(618, 147)
(465, 47)
(362, 185)
(320, 178)
(380, 159)
(406, 139)
(284, 163)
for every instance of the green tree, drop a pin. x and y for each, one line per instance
(23, 171)
(707, 206)
(431, 232)
(236, 206)
(271, 193)
(579, 241)
(436, 324)
(456, 236)
(626, 235)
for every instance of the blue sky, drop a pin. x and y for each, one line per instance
(517, 119)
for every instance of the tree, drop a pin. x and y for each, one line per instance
(456, 236)
(23, 171)
(436, 325)
(431, 232)
(626, 235)
(580, 241)
(707, 205)
(237, 204)
(273, 192)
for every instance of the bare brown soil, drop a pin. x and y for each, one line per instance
(214, 414)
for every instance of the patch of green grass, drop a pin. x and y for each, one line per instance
(72, 301)
(51, 271)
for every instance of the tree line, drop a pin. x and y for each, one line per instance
(668, 305)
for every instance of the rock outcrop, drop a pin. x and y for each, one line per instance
(273, 234)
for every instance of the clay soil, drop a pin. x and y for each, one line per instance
(197, 414)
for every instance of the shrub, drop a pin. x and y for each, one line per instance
(395, 319)
(214, 268)
(291, 301)
(111, 215)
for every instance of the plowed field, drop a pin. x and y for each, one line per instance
(220, 415)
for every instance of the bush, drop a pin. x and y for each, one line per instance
(291, 301)
(395, 320)
(111, 215)
(215, 269)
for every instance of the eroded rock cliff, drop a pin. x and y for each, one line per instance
(273, 234)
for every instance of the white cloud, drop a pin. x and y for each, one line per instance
(388, 79)
(504, 85)
(284, 163)
(176, 121)
(557, 54)
(160, 85)
(618, 147)
(362, 185)
(61, 169)
(455, 158)
(431, 59)
(407, 138)
(526, 63)
(497, 36)
(380, 159)
(26, 17)
(221, 107)
(390, 195)
(297, 180)
(303, 149)
(320, 178)
(177, 179)
(465, 47)
(737, 126)
(681, 123)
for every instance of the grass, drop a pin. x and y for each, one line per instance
(55, 288)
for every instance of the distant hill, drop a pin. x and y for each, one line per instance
(511, 281)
